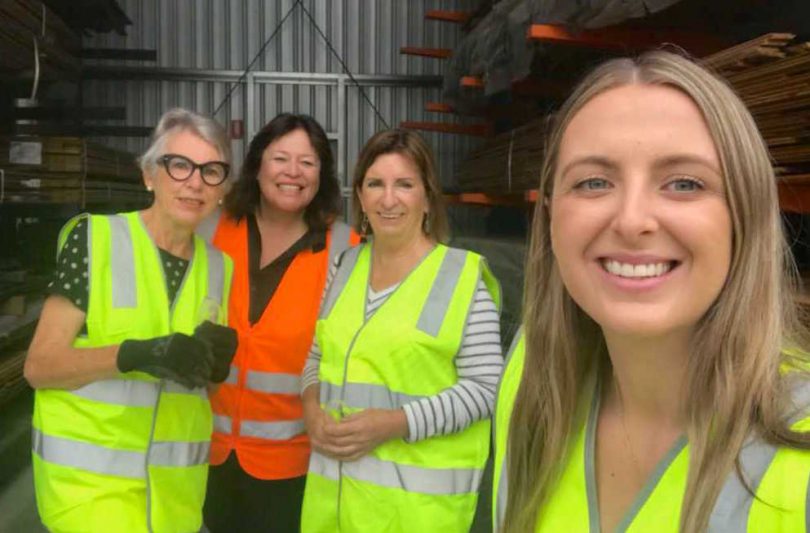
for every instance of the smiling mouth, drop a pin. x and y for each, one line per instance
(191, 201)
(289, 187)
(643, 271)
(390, 216)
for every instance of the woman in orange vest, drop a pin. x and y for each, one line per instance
(279, 227)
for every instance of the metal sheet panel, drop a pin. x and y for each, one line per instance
(230, 34)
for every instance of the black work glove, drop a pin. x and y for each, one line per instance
(177, 357)
(223, 342)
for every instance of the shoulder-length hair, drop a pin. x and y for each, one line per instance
(734, 386)
(245, 197)
(411, 145)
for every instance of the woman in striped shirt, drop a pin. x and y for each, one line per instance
(400, 380)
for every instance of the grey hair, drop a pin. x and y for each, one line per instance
(177, 120)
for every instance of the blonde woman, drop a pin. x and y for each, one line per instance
(656, 386)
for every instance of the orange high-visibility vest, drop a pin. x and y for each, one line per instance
(257, 410)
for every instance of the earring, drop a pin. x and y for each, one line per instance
(426, 224)
(149, 188)
(219, 202)
(364, 226)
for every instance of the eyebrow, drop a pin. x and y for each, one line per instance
(596, 160)
(680, 159)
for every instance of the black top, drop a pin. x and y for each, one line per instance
(265, 281)
(70, 277)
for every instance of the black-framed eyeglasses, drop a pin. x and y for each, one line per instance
(180, 168)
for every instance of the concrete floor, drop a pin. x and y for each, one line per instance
(18, 512)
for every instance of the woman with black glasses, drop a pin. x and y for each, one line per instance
(128, 341)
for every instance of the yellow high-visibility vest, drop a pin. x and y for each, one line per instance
(777, 475)
(129, 454)
(404, 352)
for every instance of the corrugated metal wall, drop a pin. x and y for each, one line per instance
(217, 35)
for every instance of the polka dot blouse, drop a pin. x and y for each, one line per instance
(70, 278)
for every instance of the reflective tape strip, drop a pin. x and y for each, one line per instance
(365, 396)
(500, 498)
(800, 398)
(167, 453)
(208, 227)
(283, 430)
(222, 424)
(90, 457)
(216, 274)
(341, 278)
(122, 264)
(273, 383)
(339, 240)
(133, 393)
(733, 505)
(129, 392)
(441, 293)
(233, 376)
(435, 481)
(172, 387)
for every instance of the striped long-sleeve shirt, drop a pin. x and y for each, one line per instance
(478, 366)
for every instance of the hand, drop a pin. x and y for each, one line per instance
(316, 421)
(360, 433)
(177, 357)
(223, 342)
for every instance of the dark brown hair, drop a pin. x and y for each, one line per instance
(245, 196)
(411, 145)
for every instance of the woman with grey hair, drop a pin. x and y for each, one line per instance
(128, 340)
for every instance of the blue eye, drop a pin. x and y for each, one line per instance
(592, 184)
(685, 184)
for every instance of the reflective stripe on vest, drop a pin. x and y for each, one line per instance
(500, 497)
(339, 241)
(102, 460)
(216, 276)
(437, 481)
(122, 263)
(339, 281)
(132, 393)
(364, 396)
(282, 430)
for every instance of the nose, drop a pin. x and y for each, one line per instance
(195, 181)
(389, 199)
(294, 168)
(635, 215)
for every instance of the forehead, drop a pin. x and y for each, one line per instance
(191, 145)
(296, 141)
(393, 165)
(638, 121)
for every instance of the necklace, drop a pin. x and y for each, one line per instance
(628, 443)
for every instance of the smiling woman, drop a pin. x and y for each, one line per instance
(125, 348)
(280, 227)
(660, 380)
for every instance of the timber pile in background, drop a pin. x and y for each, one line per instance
(507, 163)
(28, 24)
(67, 170)
(772, 75)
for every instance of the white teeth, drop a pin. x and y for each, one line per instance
(389, 216)
(627, 270)
(288, 187)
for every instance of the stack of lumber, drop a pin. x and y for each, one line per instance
(20, 306)
(12, 382)
(772, 75)
(507, 163)
(70, 170)
(23, 20)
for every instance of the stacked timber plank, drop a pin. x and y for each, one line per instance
(69, 170)
(26, 20)
(772, 75)
(508, 163)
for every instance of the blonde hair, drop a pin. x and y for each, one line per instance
(734, 387)
(411, 145)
